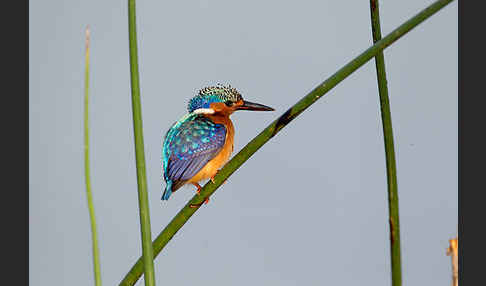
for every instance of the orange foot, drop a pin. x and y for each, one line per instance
(198, 191)
(206, 201)
(212, 178)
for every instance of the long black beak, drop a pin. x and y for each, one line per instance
(254, 106)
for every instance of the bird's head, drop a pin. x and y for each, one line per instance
(222, 100)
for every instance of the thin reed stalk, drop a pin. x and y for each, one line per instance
(89, 195)
(391, 168)
(147, 251)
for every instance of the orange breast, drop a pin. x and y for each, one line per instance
(212, 167)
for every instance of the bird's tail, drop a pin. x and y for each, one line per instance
(168, 191)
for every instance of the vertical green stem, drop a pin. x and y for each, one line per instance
(391, 170)
(89, 195)
(147, 251)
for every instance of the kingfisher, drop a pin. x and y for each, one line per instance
(201, 142)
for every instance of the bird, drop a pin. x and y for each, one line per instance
(198, 144)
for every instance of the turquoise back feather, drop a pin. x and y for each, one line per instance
(170, 135)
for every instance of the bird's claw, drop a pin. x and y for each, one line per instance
(198, 191)
(212, 178)
(206, 201)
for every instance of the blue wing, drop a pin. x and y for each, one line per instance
(188, 146)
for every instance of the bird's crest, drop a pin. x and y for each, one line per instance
(211, 94)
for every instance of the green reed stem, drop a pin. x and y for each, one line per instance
(186, 212)
(391, 169)
(89, 195)
(147, 251)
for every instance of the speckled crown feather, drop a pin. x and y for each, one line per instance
(211, 94)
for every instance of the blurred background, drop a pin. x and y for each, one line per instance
(310, 207)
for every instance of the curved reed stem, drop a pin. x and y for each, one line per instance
(186, 212)
(391, 169)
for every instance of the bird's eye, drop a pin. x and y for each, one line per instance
(228, 103)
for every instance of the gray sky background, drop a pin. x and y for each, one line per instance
(310, 207)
